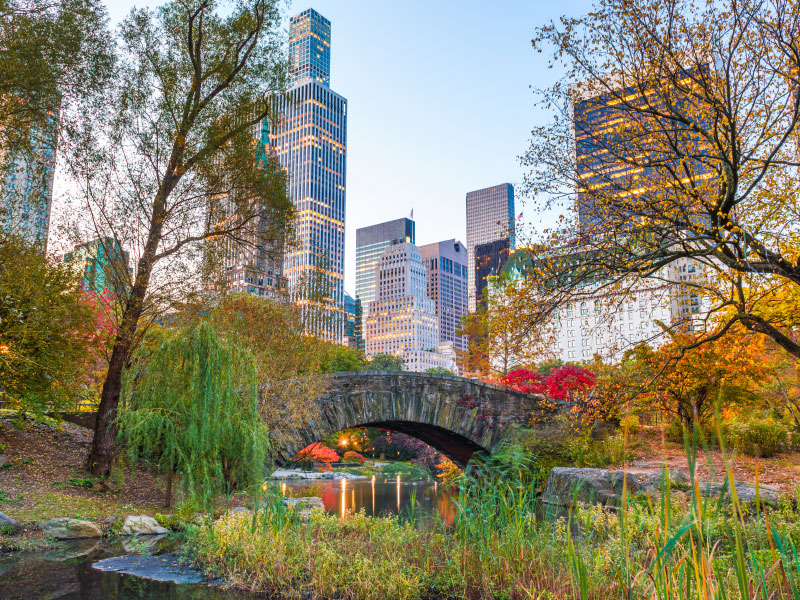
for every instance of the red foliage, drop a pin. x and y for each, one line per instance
(524, 380)
(569, 382)
(352, 456)
(318, 453)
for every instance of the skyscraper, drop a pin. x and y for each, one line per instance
(447, 280)
(489, 260)
(371, 243)
(490, 217)
(402, 319)
(103, 266)
(27, 186)
(310, 142)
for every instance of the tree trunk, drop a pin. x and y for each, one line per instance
(99, 460)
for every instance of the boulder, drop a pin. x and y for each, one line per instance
(142, 525)
(3, 460)
(9, 524)
(64, 528)
(601, 486)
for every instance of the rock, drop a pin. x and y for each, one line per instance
(142, 525)
(601, 486)
(238, 509)
(7, 522)
(64, 528)
(144, 545)
(301, 504)
(165, 567)
(3, 460)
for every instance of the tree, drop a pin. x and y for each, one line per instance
(56, 61)
(474, 361)
(173, 166)
(191, 408)
(685, 121)
(439, 371)
(525, 381)
(727, 371)
(569, 382)
(386, 362)
(288, 362)
(340, 359)
(49, 330)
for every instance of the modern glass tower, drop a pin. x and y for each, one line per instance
(447, 276)
(26, 186)
(490, 217)
(310, 142)
(371, 243)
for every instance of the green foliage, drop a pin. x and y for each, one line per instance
(191, 408)
(43, 327)
(386, 362)
(439, 371)
(755, 436)
(7, 530)
(405, 471)
(340, 359)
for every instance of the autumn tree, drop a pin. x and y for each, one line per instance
(685, 379)
(675, 132)
(50, 331)
(172, 165)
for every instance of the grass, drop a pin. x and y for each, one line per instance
(681, 546)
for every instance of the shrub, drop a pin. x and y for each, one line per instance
(756, 436)
(316, 452)
(352, 456)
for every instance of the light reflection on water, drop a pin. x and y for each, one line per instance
(380, 497)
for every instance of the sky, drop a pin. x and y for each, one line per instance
(440, 102)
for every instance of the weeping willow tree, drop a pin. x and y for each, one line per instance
(190, 408)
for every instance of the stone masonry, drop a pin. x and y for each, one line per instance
(457, 416)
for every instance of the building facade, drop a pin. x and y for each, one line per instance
(371, 243)
(607, 323)
(490, 217)
(310, 141)
(402, 319)
(103, 266)
(27, 187)
(489, 261)
(603, 123)
(350, 315)
(447, 277)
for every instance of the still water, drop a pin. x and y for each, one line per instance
(382, 496)
(66, 572)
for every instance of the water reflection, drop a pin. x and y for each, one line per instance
(381, 497)
(66, 572)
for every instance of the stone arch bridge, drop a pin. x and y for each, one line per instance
(457, 416)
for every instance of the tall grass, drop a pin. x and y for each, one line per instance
(682, 545)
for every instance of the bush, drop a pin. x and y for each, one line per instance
(352, 456)
(756, 436)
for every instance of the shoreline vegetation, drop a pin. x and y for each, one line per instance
(678, 544)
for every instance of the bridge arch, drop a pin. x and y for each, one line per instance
(457, 416)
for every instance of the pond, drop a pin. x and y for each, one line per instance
(382, 496)
(66, 572)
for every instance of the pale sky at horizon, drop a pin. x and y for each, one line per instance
(439, 103)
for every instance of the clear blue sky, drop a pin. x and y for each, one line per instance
(439, 102)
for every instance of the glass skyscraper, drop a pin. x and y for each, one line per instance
(27, 186)
(310, 142)
(490, 217)
(447, 277)
(371, 243)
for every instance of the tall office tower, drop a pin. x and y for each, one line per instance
(489, 260)
(310, 142)
(603, 125)
(27, 186)
(371, 243)
(350, 313)
(402, 319)
(490, 217)
(447, 280)
(247, 264)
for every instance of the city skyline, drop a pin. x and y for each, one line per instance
(420, 132)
